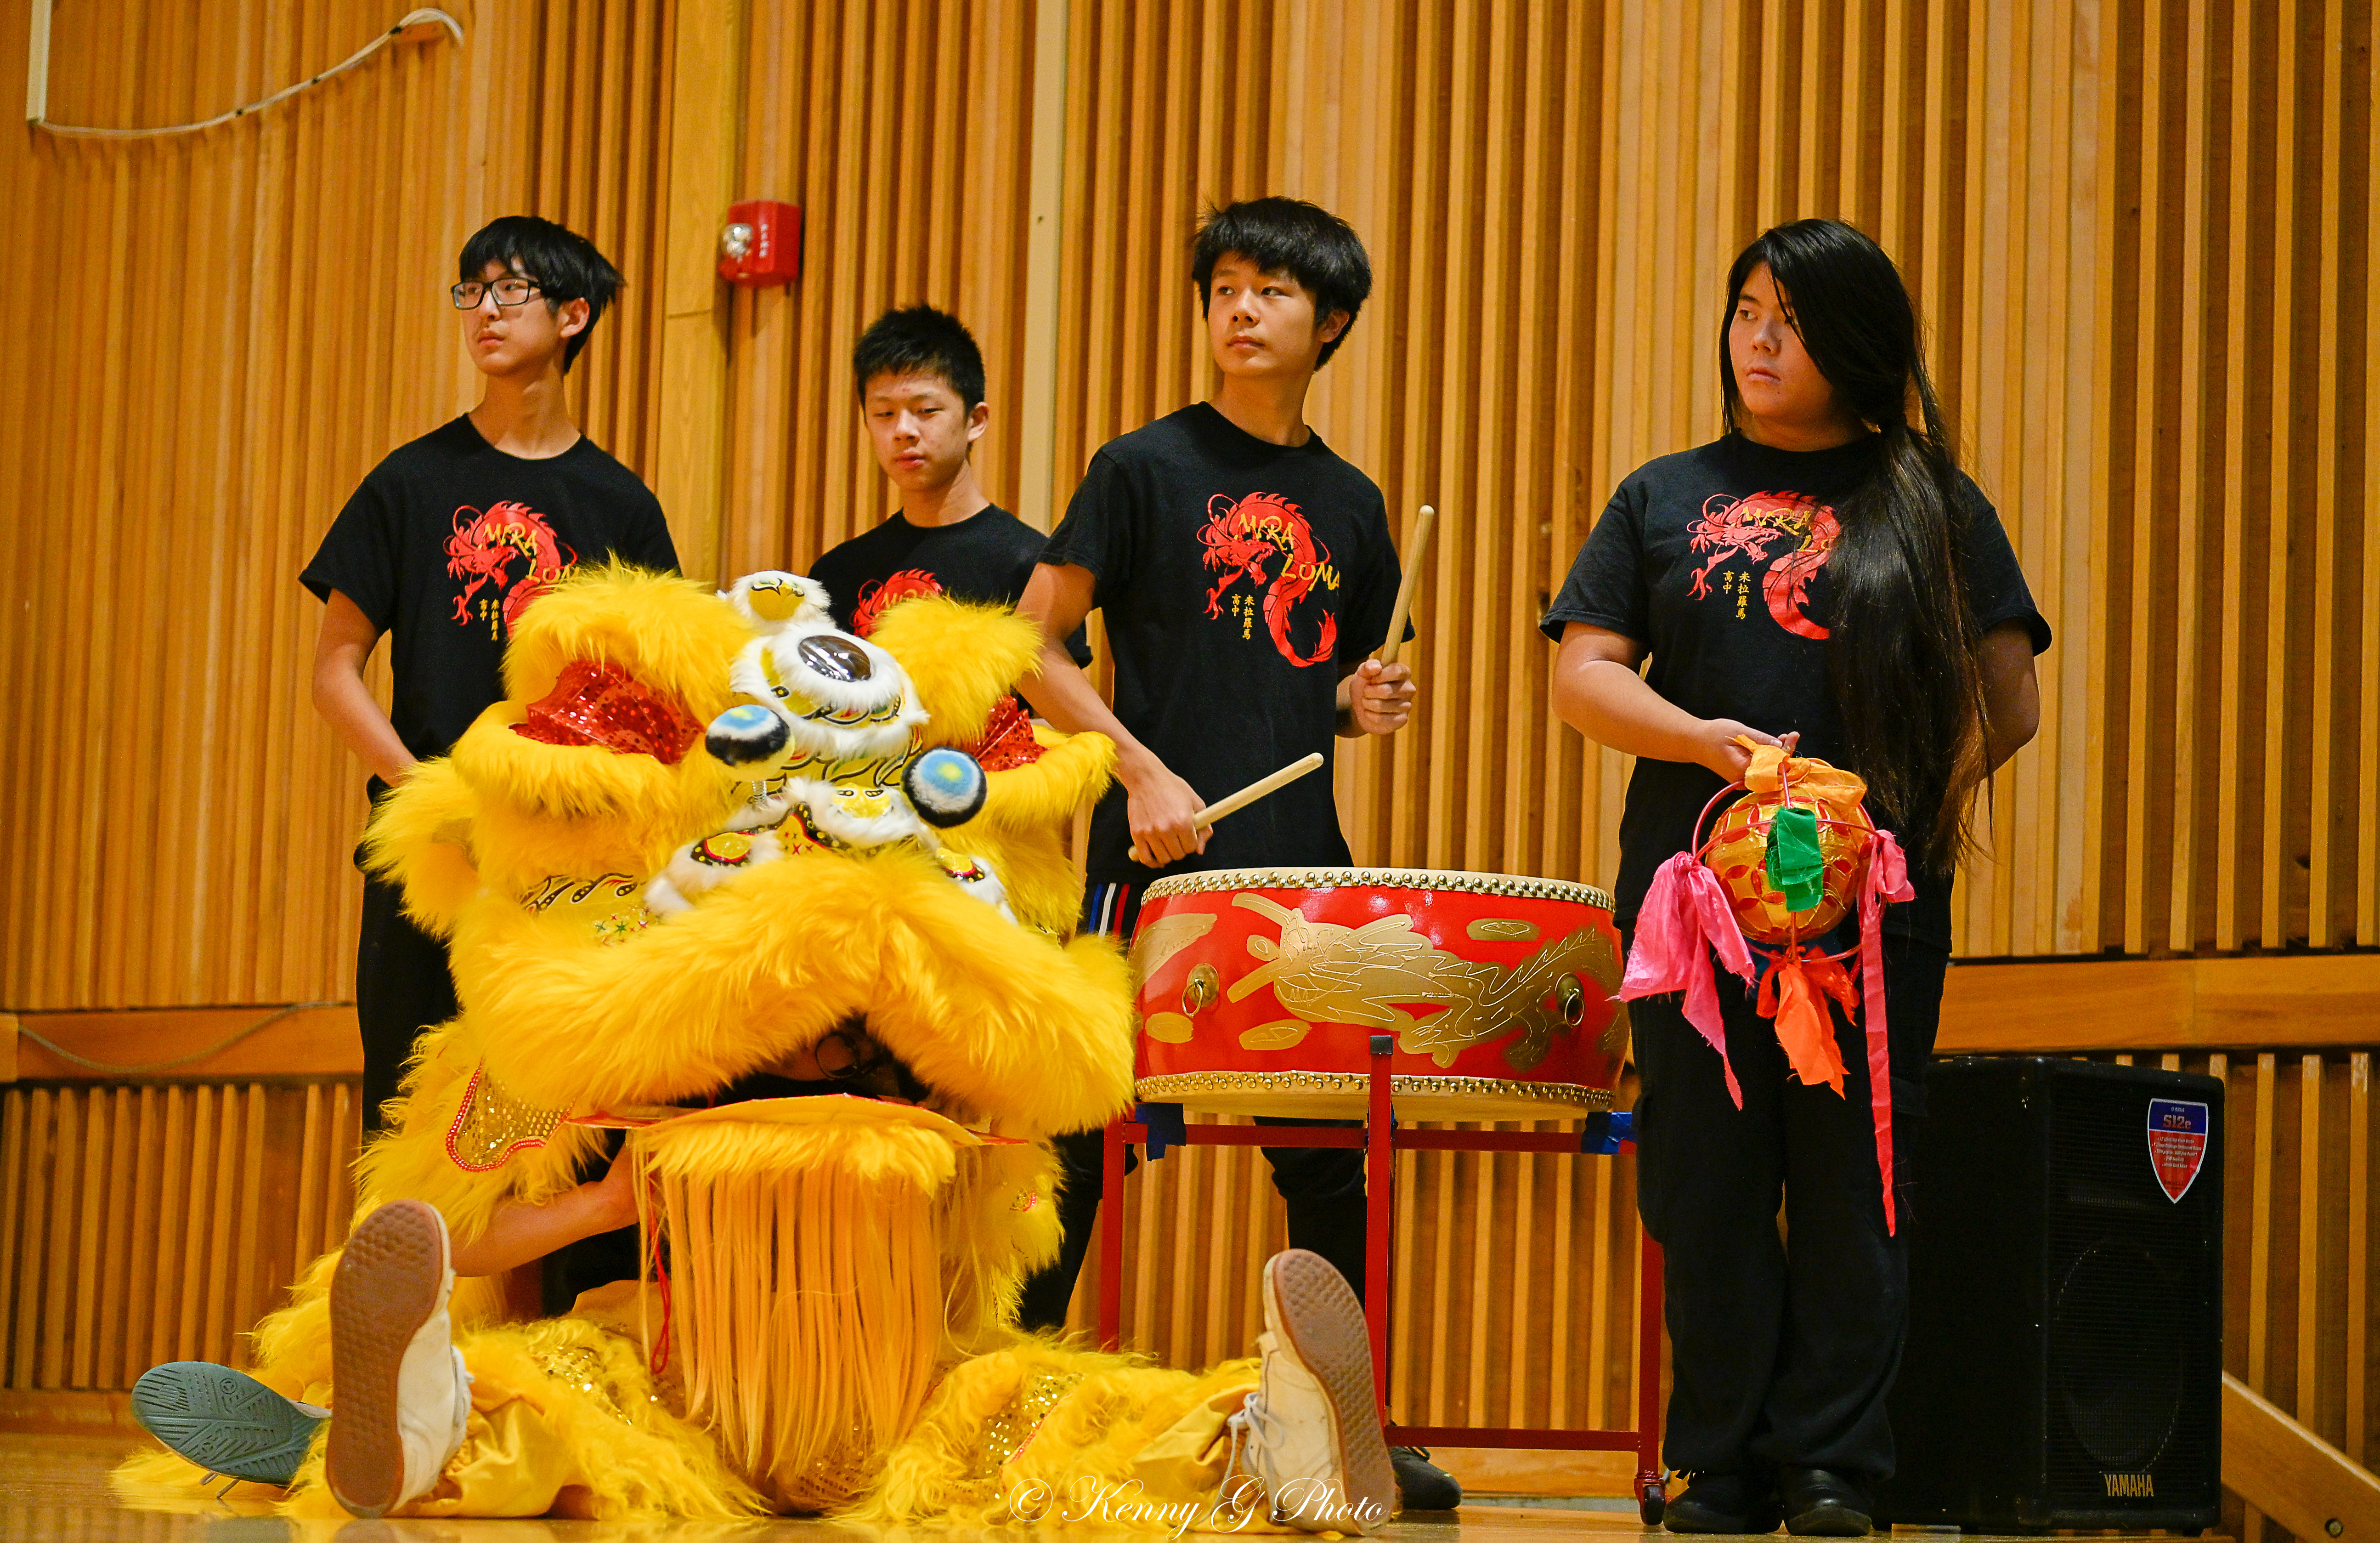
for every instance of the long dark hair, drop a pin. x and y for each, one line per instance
(1901, 652)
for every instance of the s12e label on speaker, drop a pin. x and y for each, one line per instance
(2177, 1144)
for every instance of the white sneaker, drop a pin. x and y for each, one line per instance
(397, 1382)
(1310, 1433)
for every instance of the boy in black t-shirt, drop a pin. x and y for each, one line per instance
(1244, 572)
(919, 378)
(442, 544)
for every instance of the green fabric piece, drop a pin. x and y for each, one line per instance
(1796, 868)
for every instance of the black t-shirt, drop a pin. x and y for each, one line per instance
(448, 537)
(987, 557)
(1715, 559)
(1240, 580)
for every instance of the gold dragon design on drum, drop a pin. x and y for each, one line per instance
(1276, 956)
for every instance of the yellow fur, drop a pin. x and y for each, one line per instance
(1021, 807)
(503, 813)
(1113, 1406)
(961, 657)
(547, 809)
(670, 633)
(411, 1163)
(417, 842)
(567, 1420)
(532, 858)
(999, 1224)
(1007, 1024)
(791, 1246)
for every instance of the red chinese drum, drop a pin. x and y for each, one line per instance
(1260, 990)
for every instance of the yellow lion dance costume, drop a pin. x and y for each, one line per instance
(707, 843)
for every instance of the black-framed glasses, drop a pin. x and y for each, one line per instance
(508, 292)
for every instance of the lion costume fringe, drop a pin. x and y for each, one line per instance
(643, 912)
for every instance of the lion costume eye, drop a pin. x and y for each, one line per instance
(745, 733)
(947, 787)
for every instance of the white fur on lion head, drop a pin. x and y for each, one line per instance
(775, 598)
(859, 816)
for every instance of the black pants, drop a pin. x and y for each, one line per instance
(402, 988)
(1323, 1187)
(1783, 1349)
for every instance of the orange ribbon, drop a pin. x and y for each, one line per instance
(1788, 996)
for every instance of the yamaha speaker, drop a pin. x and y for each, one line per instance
(2065, 1358)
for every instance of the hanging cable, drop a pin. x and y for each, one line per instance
(87, 1064)
(424, 18)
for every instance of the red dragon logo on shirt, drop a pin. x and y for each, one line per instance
(483, 549)
(1242, 538)
(881, 596)
(1751, 525)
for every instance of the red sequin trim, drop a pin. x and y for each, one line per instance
(598, 704)
(1008, 741)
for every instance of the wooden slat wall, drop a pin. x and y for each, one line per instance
(902, 131)
(1514, 366)
(221, 334)
(2299, 1254)
(141, 1224)
(1550, 194)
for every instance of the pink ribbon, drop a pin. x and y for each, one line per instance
(1685, 916)
(1886, 879)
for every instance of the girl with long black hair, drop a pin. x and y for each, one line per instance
(1822, 570)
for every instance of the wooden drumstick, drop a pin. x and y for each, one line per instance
(1273, 782)
(1417, 550)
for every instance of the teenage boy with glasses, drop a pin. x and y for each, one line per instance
(442, 544)
(441, 547)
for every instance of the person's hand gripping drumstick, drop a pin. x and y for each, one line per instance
(1377, 696)
(1241, 799)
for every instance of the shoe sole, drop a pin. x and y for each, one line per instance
(386, 1287)
(224, 1421)
(1701, 1525)
(1833, 1521)
(1323, 1323)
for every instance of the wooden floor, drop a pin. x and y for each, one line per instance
(53, 1490)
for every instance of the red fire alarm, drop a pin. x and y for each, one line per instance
(761, 245)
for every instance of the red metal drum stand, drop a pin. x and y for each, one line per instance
(1380, 1140)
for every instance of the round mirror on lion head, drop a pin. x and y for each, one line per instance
(835, 657)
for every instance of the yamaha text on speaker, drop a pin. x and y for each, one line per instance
(2065, 1362)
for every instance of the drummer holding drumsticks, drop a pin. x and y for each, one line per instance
(1244, 572)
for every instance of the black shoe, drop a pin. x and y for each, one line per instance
(1736, 1502)
(1421, 1484)
(1822, 1504)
